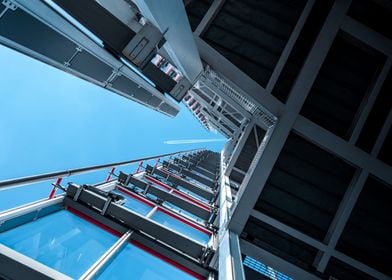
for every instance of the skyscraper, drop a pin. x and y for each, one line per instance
(301, 89)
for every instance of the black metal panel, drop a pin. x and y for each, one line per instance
(204, 172)
(91, 66)
(343, 82)
(173, 199)
(375, 14)
(162, 81)
(2, 7)
(252, 33)
(379, 113)
(211, 166)
(367, 235)
(127, 86)
(115, 34)
(196, 177)
(305, 187)
(154, 101)
(247, 153)
(138, 183)
(168, 109)
(236, 176)
(11, 269)
(190, 159)
(279, 243)
(22, 28)
(196, 11)
(189, 186)
(182, 163)
(301, 49)
(385, 153)
(340, 270)
(175, 167)
(180, 202)
(159, 172)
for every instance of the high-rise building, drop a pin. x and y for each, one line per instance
(301, 89)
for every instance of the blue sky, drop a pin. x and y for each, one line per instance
(51, 120)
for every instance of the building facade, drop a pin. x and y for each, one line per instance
(301, 89)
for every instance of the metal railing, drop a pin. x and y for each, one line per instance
(76, 171)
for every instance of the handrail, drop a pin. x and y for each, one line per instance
(66, 173)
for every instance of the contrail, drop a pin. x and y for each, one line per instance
(192, 141)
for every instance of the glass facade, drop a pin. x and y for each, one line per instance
(62, 241)
(180, 227)
(265, 269)
(133, 262)
(73, 241)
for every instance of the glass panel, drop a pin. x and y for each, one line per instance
(202, 199)
(135, 263)
(183, 212)
(16, 196)
(180, 227)
(62, 241)
(265, 270)
(134, 204)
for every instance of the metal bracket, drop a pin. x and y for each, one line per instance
(207, 256)
(78, 192)
(105, 207)
(140, 50)
(9, 5)
(146, 189)
(111, 77)
(180, 89)
(78, 50)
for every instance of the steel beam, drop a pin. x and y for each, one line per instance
(213, 10)
(383, 135)
(230, 260)
(289, 230)
(343, 149)
(367, 35)
(370, 101)
(249, 88)
(275, 262)
(238, 148)
(257, 176)
(340, 219)
(86, 41)
(289, 45)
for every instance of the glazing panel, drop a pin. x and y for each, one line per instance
(134, 204)
(62, 241)
(134, 263)
(180, 227)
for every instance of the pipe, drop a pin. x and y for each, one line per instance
(67, 173)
